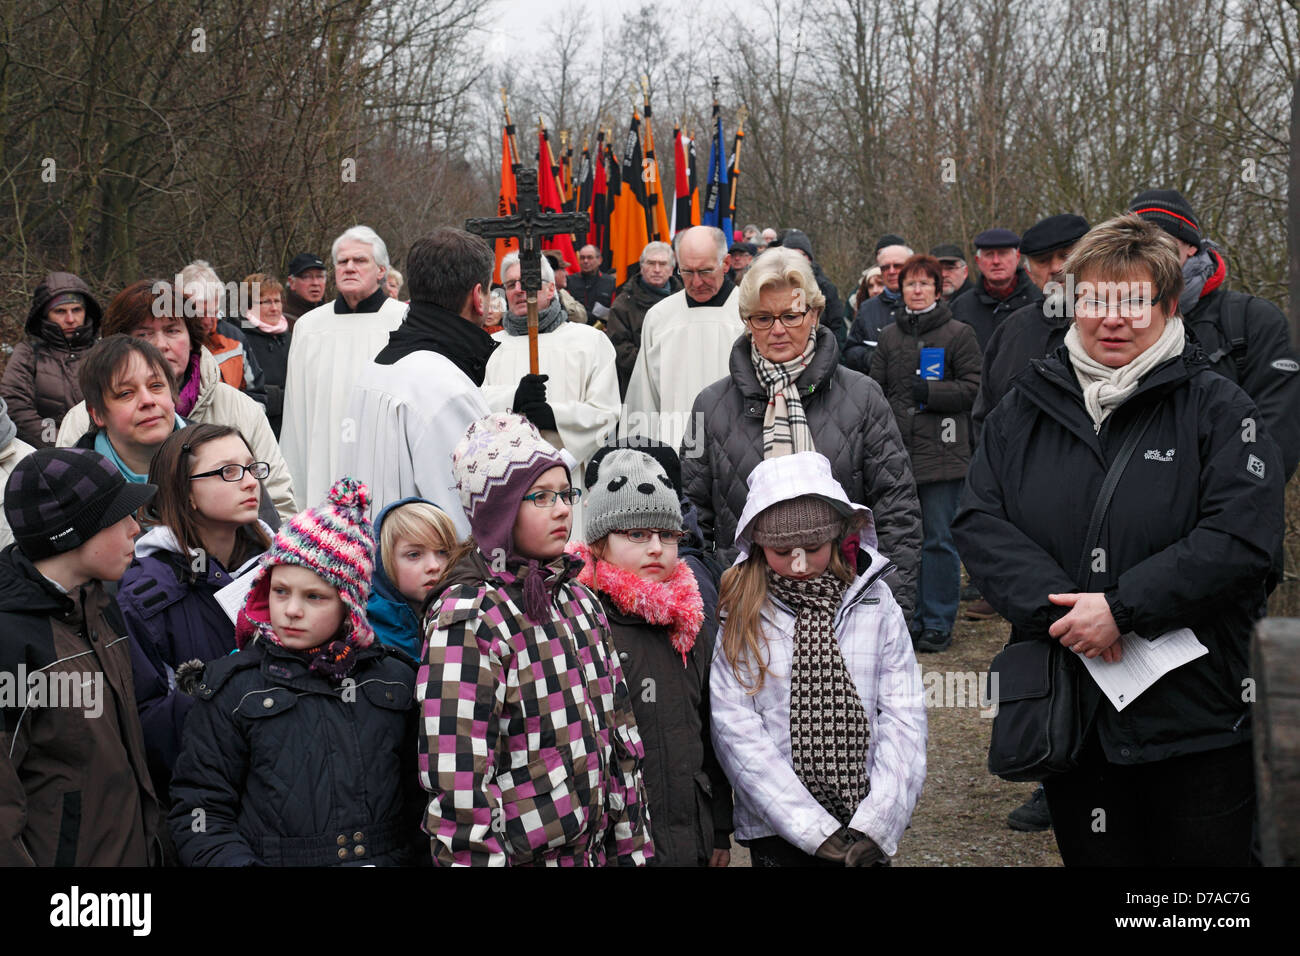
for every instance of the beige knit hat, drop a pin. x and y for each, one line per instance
(808, 521)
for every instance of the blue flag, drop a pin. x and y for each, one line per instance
(717, 196)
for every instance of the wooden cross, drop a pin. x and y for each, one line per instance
(529, 224)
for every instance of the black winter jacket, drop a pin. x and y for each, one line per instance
(873, 315)
(271, 352)
(852, 425)
(938, 435)
(590, 290)
(286, 768)
(1032, 332)
(1263, 363)
(1192, 539)
(688, 793)
(984, 313)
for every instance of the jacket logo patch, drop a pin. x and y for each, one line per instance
(1154, 454)
(1255, 466)
(1286, 365)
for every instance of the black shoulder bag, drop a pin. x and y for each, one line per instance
(1038, 729)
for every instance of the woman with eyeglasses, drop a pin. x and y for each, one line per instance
(787, 392)
(205, 528)
(664, 635)
(928, 363)
(528, 745)
(1191, 539)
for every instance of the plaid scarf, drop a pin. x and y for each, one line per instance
(785, 429)
(829, 728)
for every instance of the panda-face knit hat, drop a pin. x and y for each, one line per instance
(632, 490)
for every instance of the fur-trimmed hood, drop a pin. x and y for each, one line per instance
(674, 603)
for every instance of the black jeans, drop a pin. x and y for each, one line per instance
(1192, 810)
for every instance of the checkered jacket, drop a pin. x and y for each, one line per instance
(528, 746)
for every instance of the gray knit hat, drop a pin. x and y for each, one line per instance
(807, 521)
(632, 490)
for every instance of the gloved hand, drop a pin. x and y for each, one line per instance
(920, 390)
(864, 852)
(540, 414)
(836, 846)
(531, 391)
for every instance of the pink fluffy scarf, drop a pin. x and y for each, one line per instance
(674, 603)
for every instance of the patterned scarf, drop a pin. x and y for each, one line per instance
(829, 728)
(785, 429)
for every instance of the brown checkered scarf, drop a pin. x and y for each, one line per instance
(785, 428)
(829, 728)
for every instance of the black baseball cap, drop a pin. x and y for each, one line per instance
(304, 261)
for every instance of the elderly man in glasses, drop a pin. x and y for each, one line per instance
(878, 311)
(685, 341)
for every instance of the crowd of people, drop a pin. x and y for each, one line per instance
(348, 582)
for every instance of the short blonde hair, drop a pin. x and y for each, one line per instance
(417, 521)
(1120, 246)
(779, 267)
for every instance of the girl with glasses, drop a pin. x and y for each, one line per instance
(205, 528)
(664, 639)
(528, 745)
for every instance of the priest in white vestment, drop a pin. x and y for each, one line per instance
(576, 408)
(685, 341)
(331, 345)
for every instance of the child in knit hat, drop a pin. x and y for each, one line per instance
(818, 717)
(665, 642)
(528, 744)
(300, 749)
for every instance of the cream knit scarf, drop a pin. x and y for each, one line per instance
(1106, 388)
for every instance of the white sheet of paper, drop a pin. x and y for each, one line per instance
(231, 597)
(1144, 662)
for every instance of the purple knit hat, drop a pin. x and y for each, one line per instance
(498, 460)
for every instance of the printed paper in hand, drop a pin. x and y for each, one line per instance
(1143, 663)
(231, 597)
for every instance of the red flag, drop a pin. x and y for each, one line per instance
(598, 210)
(548, 194)
(686, 210)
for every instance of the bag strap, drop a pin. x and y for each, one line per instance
(1108, 487)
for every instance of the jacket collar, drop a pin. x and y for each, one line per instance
(431, 328)
(925, 322)
(1023, 284)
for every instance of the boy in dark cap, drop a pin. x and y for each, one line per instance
(74, 784)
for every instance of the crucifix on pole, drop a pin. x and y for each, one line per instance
(529, 225)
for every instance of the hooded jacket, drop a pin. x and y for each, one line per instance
(172, 615)
(74, 784)
(938, 435)
(984, 313)
(390, 614)
(217, 404)
(1192, 538)
(689, 798)
(627, 315)
(852, 425)
(292, 769)
(528, 724)
(752, 731)
(40, 379)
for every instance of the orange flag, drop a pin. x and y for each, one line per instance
(628, 232)
(508, 198)
(548, 194)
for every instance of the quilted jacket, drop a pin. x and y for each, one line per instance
(283, 767)
(528, 744)
(852, 425)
